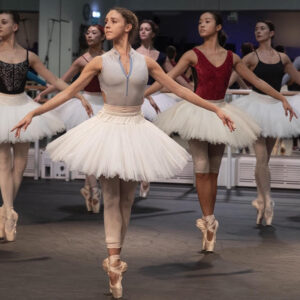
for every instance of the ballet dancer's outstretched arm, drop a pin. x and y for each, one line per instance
(158, 74)
(188, 59)
(74, 69)
(39, 67)
(90, 70)
(241, 68)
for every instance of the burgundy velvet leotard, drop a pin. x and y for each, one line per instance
(212, 82)
(94, 85)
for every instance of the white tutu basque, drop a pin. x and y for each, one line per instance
(118, 141)
(13, 109)
(270, 115)
(73, 113)
(194, 122)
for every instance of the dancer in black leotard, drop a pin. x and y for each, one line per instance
(269, 65)
(14, 64)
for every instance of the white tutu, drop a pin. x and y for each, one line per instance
(119, 143)
(163, 100)
(73, 113)
(13, 109)
(194, 122)
(269, 114)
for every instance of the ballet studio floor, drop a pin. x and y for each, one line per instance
(60, 247)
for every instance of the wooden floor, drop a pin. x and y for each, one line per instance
(60, 247)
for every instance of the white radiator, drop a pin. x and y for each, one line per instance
(285, 172)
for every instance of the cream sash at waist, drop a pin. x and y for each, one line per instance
(13, 99)
(121, 110)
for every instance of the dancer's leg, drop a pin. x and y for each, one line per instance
(127, 194)
(199, 151)
(6, 177)
(215, 154)
(263, 148)
(8, 215)
(19, 164)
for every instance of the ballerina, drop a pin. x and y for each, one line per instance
(270, 66)
(119, 145)
(148, 30)
(205, 134)
(14, 103)
(72, 112)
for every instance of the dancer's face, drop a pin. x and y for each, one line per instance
(93, 36)
(146, 32)
(263, 32)
(115, 26)
(7, 26)
(207, 25)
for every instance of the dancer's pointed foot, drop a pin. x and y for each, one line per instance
(115, 276)
(144, 189)
(86, 194)
(2, 222)
(96, 200)
(11, 226)
(269, 211)
(259, 205)
(212, 226)
(201, 224)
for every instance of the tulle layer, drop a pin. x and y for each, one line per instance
(193, 122)
(163, 100)
(119, 142)
(13, 109)
(73, 113)
(269, 114)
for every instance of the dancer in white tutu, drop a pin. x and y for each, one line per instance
(72, 112)
(206, 135)
(14, 103)
(148, 30)
(119, 145)
(269, 113)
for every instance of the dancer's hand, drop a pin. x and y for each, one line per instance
(289, 110)
(153, 104)
(225, 119)
(23, 124)
(87, 106)
(40, 98)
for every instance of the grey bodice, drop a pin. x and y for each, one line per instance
(119, 88)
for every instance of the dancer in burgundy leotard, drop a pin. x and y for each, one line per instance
(205, 134)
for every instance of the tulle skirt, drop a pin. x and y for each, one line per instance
(269, 114)
(73, 113)
(163, 100)
(194, 122)
(13, 109)
(118, 141)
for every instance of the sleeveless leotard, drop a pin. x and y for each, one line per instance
(212, 82)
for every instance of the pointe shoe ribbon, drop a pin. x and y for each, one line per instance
(116, 289)
(212, 225)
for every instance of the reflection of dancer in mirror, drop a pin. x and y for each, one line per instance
(270, 66)
(205, 134)
(118, 144)
(14, 103)
(148, 30)
(72, 112)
